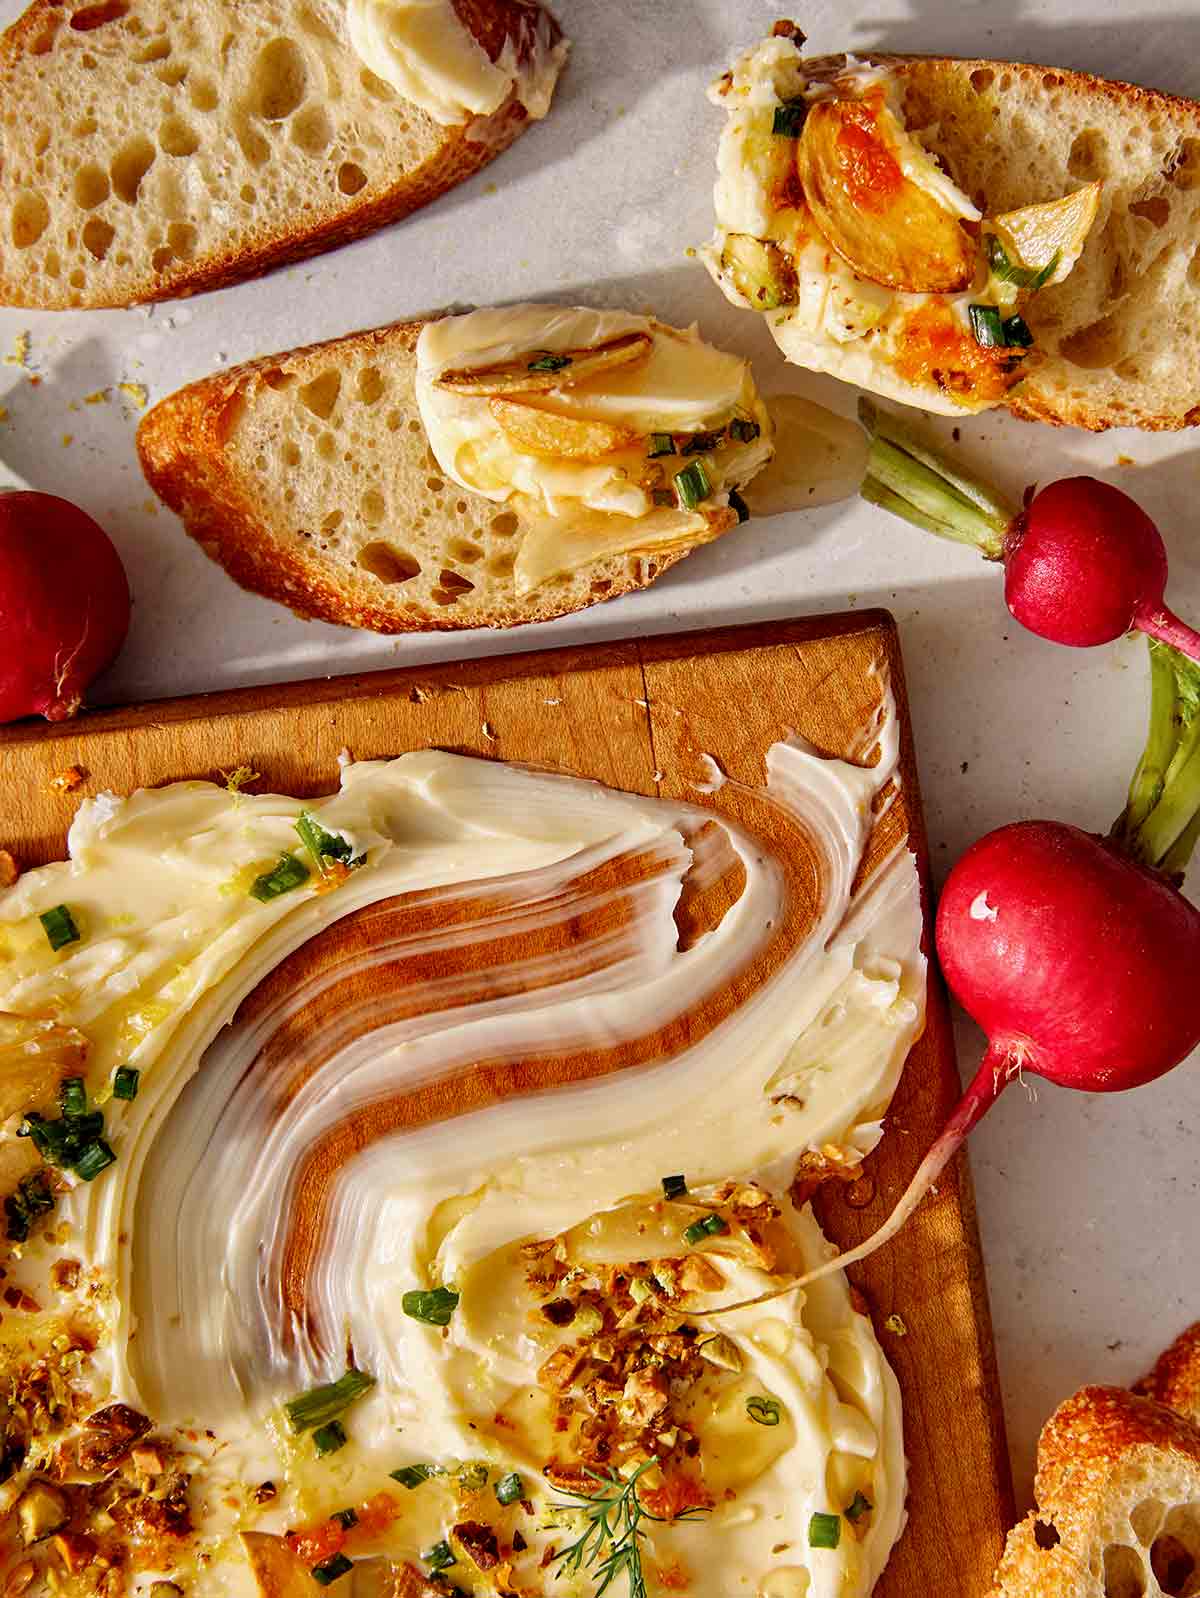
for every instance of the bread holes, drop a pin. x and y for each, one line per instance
(504, 525)
(248, 194)
(501, 565)
(1124, 1572)
(85, 127)
(601, 586)
(1097, 345)
(372, 507)
(30, 218)
(77, 278)
(463, 550)
(251, 142)
(321, 395)
(97, 16)
(279, 380)
(327, 446)
(52, 264)
(351, 177)
(452, 586)
(1184, 168)
(43, 40)
(395, 421)
(376, 87)
(1173, 1566)
(371, 386)
(1146, 1518)
(332, 521)
(278, 80)
(97, 237)
(1045, 1534)
(203, 95)
(172, 73)
(90, 187)
(1088, 156)
(157, 50)
(291, 453)
(388, 564)
(129, 166)
(312, 131)
(42, 143)
(175, 137)
(181, 237)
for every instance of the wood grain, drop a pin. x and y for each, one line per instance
(639, 715)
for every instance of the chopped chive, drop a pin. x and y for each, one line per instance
(987, 326)
(508, 1489)
(329, 1438)
(289, 873)
(329, 1570)
(16, 1219)
(824, 1531)
(322, 1404)
(1007, 270)
(660, 444)
(439, 1557)
(96, 1157)
(737, 503)
(764, 1411)
(674, 1186)
(36, 1194)
(347, 1519)
(1016, 332)
(701, 443)
(662, 496)
(693, 485)
(473, 1478)
(323, 845)
(434, 1307)
(744, 430)
(789, 118)
(72, 1096)
(707, 1226)
(411, 1476)
(125, 1082)
(59, 926)
(857, 1508)
(549, 362)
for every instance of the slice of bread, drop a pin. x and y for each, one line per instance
(1121, 335)
(1118, 1493)
(309, 478)
(152, 148)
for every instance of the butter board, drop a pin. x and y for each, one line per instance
(639, 715)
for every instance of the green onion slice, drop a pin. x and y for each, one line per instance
(764, 1411)
(660, 444)
(857, 1508)
(789, 118)
(1007, 270)
(707, 1226)
(824, 1531)
(744, 430)
(987, 326)
(663, 497)
(411, 1476)
(440, 1556)
(72, 1096)
(701, 443)
(1016, 332)
(125, 1082)
(508, 1489)
(347, 1519)
(282, 878)
(323, 845)
(329, 1570)
(322, 1404)
(59, 926)
(329, 1438)
(693, 484)
(434, 1306)
(737, 503)
(674, 1186)
(96, 1157)
(549, 362)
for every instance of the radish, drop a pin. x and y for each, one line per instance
(64, 605)
(1076, 954)
(1082, 563)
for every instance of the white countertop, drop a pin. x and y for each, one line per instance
(1086, 1204)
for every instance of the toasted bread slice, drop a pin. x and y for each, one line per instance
(1118, 1492)
(1120, 337)
(308, 476)
(152, 148)
(1175, 1379)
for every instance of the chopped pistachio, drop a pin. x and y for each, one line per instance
(721, 1350)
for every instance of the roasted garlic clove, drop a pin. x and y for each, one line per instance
(884, 225)
(35, 1055)
(760, 271)
(538, 432)
(539, 371)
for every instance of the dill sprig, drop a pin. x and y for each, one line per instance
(611, 1542)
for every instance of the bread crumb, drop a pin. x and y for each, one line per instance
(9, 869)
(3, 413)
(67, 438)
(67, 780)
(150, 506)
(100, 397)
(895, 1324)
(136, 392)
(1126, 460)
(20, 351)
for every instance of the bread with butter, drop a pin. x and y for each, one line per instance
(152, 150)
(309, 477)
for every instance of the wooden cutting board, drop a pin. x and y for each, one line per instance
(638, 715)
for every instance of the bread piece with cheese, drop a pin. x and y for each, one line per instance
(152, 149)
(310, 476)
(870, 245)
(1118, 1494)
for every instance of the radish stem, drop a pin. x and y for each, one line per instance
(1146, 788)
(1161, 822)
(1159, 622)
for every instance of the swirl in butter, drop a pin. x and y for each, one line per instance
(599, 428)
(427, 54)
(281, 1182)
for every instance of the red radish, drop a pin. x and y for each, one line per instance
(1083, 564)
(64, 605)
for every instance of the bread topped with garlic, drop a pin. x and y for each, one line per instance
(149, 151)
(961, 234)
(499, 467)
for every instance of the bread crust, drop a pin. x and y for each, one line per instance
(461, 152)
(1175, 1379)
(181, 446)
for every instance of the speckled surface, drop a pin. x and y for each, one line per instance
(1086, 1205)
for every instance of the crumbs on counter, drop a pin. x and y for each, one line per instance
(3, 413)
(137, 393)
(67, 780)
(67, 438)
(20, 351)
(150, 506)
(1126, 460)
(99, 396)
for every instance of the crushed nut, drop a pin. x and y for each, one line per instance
(480, 1542)
(67, 780)
(64, 1275)
(76, 1551)
(644, 1397)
